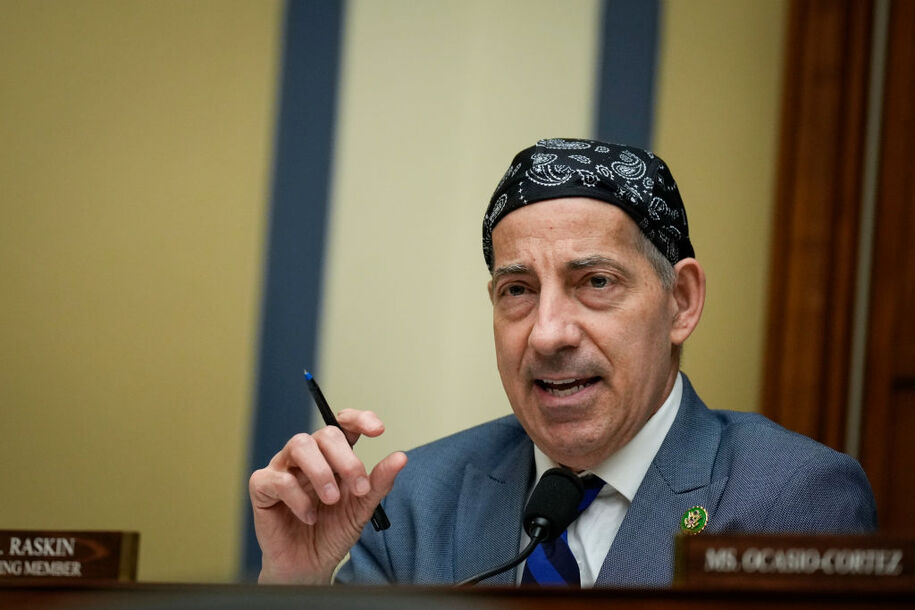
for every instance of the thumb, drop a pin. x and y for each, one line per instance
(383, 475)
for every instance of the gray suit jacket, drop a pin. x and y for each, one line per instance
(456, 508)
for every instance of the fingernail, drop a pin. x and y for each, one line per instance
(330, 493)
(310, 517)
(362, 486)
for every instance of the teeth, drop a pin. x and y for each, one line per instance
(559, 382)
(563, 387)
(566, 392)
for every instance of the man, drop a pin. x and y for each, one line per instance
(595, 289)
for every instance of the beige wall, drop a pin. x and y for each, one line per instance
(716, 124)
(135, 145)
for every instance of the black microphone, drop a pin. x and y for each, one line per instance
(553, 505)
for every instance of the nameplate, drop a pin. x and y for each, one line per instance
(787, 561)
(68, 554)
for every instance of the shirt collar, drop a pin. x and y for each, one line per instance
(625, 469)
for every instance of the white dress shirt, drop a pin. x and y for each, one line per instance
(591, 535)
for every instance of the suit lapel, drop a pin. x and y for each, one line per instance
(679, 478)
(490, 506)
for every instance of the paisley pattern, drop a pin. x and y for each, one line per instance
(634, 179)
(549, 175)
(588, 179)
(496, 209)
(657, 208)
(629, 166)
(543, 158)
(563, 144)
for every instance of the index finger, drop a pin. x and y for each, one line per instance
(355, 423)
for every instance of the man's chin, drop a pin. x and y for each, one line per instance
(575, 451)
(577, 462)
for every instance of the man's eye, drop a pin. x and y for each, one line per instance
(599, 281)
(515, 290)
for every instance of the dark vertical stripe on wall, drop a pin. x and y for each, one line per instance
(625, 104)
(295, 251)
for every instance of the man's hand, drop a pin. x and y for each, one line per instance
(313, 499)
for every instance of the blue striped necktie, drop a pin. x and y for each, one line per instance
(552, 563)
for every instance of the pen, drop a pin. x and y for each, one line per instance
(379, 517)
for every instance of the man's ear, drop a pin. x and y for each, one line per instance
(689, 298)
(489, 290)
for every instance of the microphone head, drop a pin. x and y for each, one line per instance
(554, 502)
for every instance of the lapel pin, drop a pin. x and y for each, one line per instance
(694, 520)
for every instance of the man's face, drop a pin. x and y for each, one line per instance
(582, 327)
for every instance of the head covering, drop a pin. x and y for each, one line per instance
(630, 178)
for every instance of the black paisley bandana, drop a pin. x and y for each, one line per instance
(630, 178)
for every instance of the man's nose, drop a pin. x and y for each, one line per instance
(556, 327)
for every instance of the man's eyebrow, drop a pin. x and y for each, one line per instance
(512, 269)
(592, 261)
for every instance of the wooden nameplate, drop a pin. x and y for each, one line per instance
(56, 555)
(795, 561)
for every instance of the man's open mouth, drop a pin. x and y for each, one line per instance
(565, 387)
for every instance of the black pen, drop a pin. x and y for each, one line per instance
(379, 517)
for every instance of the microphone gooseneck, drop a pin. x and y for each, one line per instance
(553, 505)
